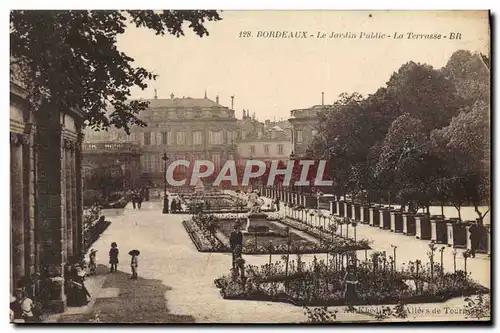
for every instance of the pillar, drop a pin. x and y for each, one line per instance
(51, 212)
(17, 209)
(67, 165)
(79, 246)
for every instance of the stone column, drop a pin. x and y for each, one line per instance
(68, 163)
(74, 201)
(17, 208)
(79, 246)
(50, 206)
(30, 206)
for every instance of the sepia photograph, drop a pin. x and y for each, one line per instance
(250, 167)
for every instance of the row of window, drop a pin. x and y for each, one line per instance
(299, 136)
(279, 149)
(154, 163)
(180, 138)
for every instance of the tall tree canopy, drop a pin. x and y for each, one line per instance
(422, 138)
(69, 59)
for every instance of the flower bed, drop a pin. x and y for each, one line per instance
(320, 283)
(275, 242)
(203, 230)
(93, 229)
(203, 238)
(338, 243)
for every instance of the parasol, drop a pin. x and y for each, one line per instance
(134, 252)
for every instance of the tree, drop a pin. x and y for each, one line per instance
(470, 76)
(465, 145)
(424, 93)
(69, 59)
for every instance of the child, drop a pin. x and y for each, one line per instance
(92, 261)
(113, 257)
(134, 263)
(350, 282)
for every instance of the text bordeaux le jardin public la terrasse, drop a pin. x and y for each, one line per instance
(342, 35)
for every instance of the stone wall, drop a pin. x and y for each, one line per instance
(46, 201)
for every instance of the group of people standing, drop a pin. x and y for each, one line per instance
(139, 196)
(175, 205)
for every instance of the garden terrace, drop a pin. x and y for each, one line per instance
(319, 283)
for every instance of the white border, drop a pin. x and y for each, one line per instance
(221, 4)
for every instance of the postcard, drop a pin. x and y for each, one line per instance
(210, 167)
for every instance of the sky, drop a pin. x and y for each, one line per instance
(272, 76)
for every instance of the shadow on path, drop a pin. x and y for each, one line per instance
(138, 301)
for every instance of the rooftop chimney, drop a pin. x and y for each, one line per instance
(205, 93)
(243, 116)
(156, 95)
(217, 99)
(232, 102)
(322, 98)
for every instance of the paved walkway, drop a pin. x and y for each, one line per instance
(176, 281)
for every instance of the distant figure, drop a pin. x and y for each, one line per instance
(475, 238)
(173, 205)
(235, 241)
(113, 257)
(134, 199)
(145, 193)
(140, 199)
(165, 204)
(350, 282)
(92, 261)
(277, 202)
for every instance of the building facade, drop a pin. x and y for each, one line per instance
(304, 124)
(46, 196)
(274, 144)
(185, 128)
(109, 156)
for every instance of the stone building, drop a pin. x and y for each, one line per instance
(110, 156)
(273, 144)
(304, 126)
(46, 196)
(185, 128)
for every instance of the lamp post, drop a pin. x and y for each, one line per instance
(165, 197)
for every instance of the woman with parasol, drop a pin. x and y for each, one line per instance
(134, 263)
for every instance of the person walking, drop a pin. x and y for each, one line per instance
(235, 241)
(140, 198)
(113, 257)
(134, 199)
